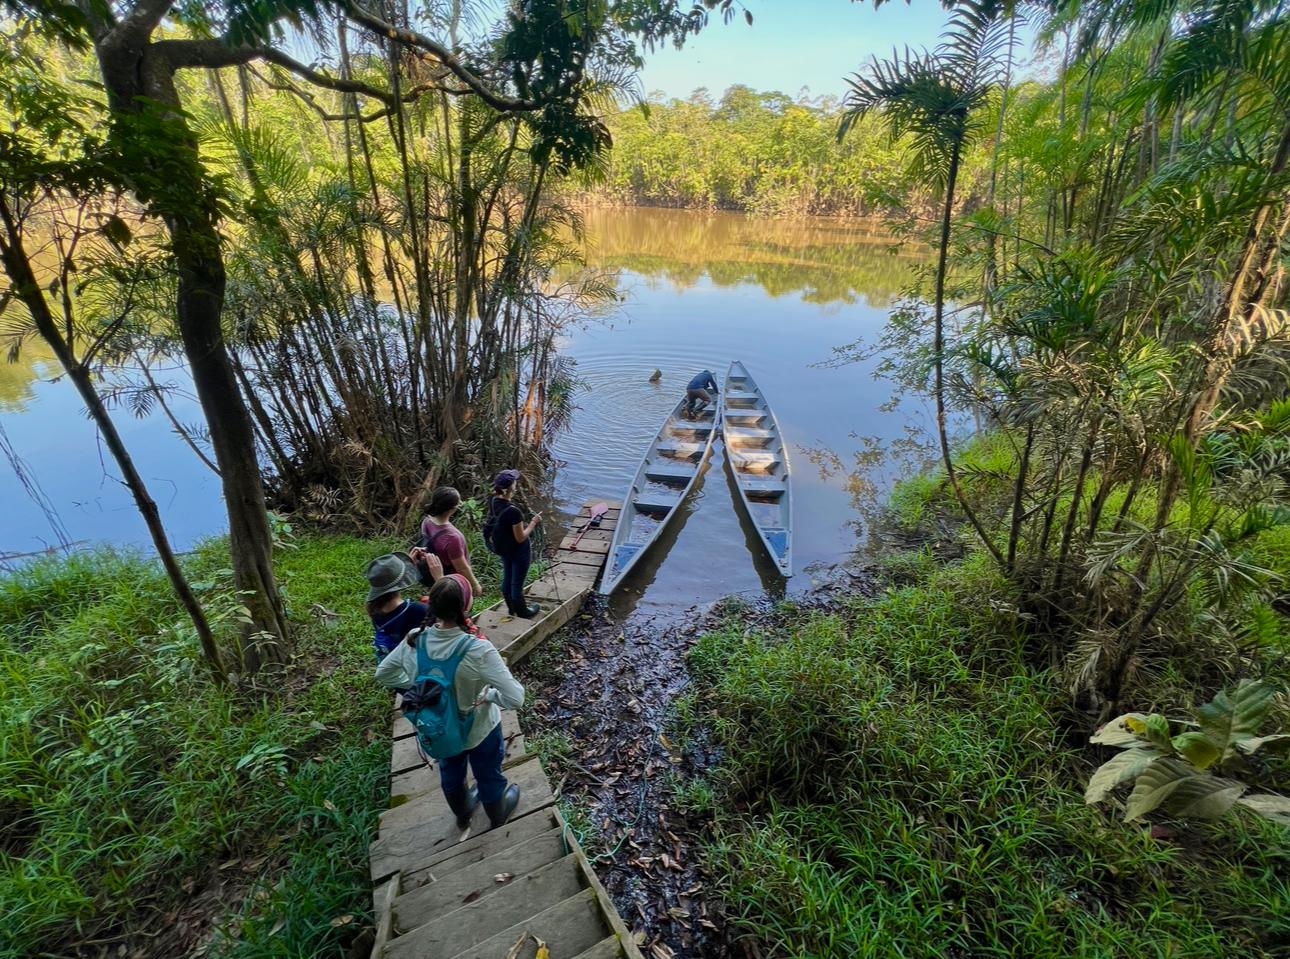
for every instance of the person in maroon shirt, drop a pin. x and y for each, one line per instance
(440, 537)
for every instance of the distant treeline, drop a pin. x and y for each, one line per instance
(757, 152)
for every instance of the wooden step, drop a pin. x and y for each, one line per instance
(481, 846)
(453, 932)
(609, 948)
(416, 832)
(568, 929)
(479, 880)
(736, 397)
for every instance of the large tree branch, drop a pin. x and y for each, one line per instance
(214, 53)
(309, 100)
(445, 56)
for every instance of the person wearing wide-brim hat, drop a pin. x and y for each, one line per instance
(393, 617)
(510, 535)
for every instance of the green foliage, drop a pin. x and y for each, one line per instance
(908, 790)
(1176, 773)
(125, 773)
(760, 152)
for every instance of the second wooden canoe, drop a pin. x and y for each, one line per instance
(758, 459)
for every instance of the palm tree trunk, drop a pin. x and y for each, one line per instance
(938, 351)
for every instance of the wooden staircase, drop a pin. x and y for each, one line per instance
(479, 893)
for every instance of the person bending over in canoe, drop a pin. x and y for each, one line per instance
(509, 535)
(481, 687)
(697, 396)
(440, 537)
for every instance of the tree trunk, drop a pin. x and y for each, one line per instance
(138, 80)
(938, 350)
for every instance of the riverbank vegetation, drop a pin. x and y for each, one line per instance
(900, 775)
(757, 152)
(143, 802)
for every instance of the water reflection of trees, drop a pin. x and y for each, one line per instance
(869, 471)
(824, 261)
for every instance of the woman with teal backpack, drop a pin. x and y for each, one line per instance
(456, 687)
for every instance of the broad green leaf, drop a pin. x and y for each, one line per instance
(1268, 805)
(1120, 769)
(1204, 797)
(1229, 718)
(1119, 732)
(1196, 749)
(1156, 785)
(1181, 791)
(1276, 743)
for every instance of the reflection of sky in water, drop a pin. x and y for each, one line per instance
(62, 453)
(701, 289)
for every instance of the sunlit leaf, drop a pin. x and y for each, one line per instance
(1120, 769)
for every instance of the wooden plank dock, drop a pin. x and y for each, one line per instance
(442, 892)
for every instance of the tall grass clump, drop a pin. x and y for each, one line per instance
(131, 783)
(899, 780)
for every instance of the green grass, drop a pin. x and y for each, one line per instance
(910, 792)
(126, 776)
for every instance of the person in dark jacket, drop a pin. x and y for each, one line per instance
(511, 541)
(697, 396)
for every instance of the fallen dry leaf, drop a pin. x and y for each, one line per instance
(502, 878)
(519, 944)
(471, 897)
(542, 951)
(341, 921)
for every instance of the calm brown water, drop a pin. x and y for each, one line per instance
(699, 290)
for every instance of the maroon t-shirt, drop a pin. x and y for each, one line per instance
(446, 542)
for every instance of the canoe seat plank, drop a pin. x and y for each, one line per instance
(681, 450)
(655, 502)
(668, 472)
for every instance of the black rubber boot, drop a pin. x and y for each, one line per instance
(463, 802)
(500, 811)
(529, 611)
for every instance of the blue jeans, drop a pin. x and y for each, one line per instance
(515, 569)
(485, 761)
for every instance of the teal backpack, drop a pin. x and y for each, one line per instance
(431, 704)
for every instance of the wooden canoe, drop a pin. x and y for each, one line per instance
(758, 459)
(664, 478)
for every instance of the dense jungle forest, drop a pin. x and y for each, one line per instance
(1049, 719)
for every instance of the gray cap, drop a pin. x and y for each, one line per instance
(389, 574)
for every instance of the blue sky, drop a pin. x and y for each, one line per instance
(791, 44)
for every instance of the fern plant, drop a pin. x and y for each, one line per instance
(1191, 773)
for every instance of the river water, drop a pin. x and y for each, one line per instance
(697, 291)
(701, 290)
